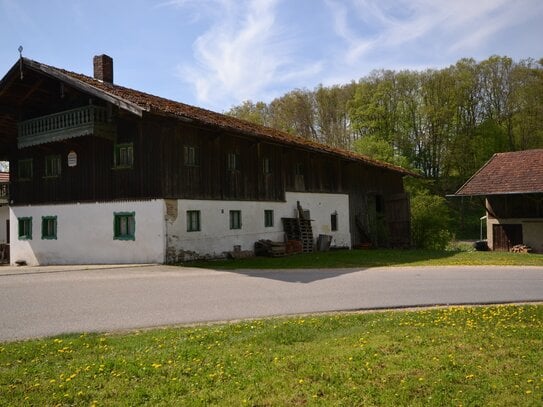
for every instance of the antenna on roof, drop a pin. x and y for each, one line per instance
(21, 60)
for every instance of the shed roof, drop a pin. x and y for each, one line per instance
(518, 172)
(139, 103)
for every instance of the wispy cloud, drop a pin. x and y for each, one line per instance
(249, 49)
(461, 26)
(243, 54)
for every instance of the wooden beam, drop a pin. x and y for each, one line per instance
(30, 92)
(101, 94)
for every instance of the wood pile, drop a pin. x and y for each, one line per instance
(521, 248)
(299, 229)
(270, 249)
(294, 246)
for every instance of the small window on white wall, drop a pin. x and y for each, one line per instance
(268, 218)
(333, 221)
(193, 221)
(235, 219)
(124, 226)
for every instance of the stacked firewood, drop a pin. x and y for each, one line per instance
(269, 248)
(521, 248)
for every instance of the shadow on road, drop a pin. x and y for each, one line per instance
(303, 276)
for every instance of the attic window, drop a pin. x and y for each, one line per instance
(379, 204)
(266, 166)
(299, 169)
(191, 156)
(25, 169)
(52, 166)
(124, 155)
(233, 163)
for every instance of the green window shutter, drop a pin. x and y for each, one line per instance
(49, 227)
(124, 226)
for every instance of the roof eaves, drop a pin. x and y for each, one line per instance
(86, 87)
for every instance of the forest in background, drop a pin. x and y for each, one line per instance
(444, 123)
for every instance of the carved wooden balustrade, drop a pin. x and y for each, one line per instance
(82, 121)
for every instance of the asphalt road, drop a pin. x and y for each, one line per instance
(44, 301)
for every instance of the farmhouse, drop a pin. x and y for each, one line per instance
(105, 174)
(513, 186)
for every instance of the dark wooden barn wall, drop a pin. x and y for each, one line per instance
(160, 172)
(515, 206)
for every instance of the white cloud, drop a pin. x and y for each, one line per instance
(246, 50)
(368, 26)
(243, 54)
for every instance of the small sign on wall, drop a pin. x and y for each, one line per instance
(72, 159)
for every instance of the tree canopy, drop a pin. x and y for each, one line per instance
(443, 122)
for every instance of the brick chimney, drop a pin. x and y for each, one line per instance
(103, 68)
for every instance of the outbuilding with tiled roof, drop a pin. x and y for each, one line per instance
(512, 183)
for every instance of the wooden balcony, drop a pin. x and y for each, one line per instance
(82, 121)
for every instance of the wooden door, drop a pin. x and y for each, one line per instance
(506, 236)
(398, 219)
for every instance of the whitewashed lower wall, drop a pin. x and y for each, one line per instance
(85, 234)
(85, 231)
(215, 236)
(4, 215)
(532, 231)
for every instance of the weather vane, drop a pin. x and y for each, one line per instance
(21, 60)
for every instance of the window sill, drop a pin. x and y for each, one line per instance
(124, 238)
(123, 168)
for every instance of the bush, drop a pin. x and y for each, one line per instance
(430, 221)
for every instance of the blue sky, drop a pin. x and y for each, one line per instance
(217, 53)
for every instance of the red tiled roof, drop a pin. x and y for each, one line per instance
(156, 104)
(4, 176)
(508, 173)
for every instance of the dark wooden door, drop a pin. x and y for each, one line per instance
(7, 231)
(506, 236)
(397, 213)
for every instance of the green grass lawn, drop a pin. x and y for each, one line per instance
(377, 258)
(438, 357)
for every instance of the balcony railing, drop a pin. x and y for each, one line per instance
(82, 121)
